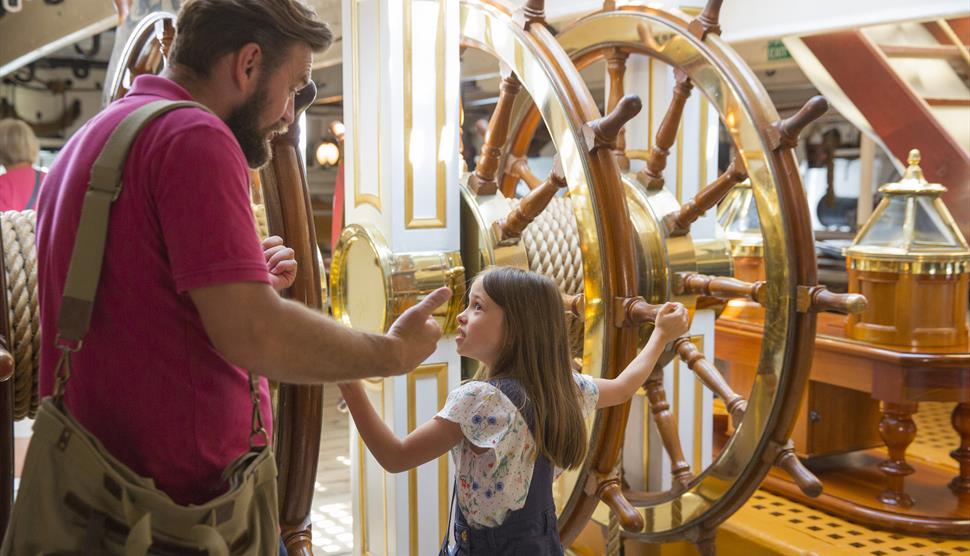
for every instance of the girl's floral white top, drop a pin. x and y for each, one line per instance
(496, 481)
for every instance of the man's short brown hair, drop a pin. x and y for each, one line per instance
(209, 29)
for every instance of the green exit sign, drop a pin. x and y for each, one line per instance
(777, 51)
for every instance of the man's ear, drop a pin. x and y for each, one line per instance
(246, 66)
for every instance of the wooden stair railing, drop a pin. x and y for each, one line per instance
(901, 117)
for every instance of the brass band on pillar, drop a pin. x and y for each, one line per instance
(371, 286)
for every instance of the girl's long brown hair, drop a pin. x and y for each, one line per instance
(536, 353)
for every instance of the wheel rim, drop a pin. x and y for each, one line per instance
(786, 350)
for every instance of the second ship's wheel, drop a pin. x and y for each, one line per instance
(635, 245)
(281, 203)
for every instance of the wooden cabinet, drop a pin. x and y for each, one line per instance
(862, 395)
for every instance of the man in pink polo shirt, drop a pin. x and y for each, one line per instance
(185, 301)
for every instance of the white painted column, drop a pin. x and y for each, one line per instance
(401, 78)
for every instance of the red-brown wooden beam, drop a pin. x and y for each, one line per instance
(937, 32)
(901, 119)
(961, 63)
(933, 101)
(961, 26)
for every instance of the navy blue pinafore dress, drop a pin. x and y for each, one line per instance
(528, 531)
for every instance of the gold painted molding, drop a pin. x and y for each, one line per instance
(376, 385)
(364, 198)
(441, 197)
(439, 371)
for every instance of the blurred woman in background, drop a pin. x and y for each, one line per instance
(18, 152)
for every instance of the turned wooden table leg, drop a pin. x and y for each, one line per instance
(898, 431)
(961, 423)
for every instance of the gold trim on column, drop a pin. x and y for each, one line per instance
(380, 151)
(364, 198)
(440, 218)
(361, 497)
(646, 438)
(650, 104)
(376, 385)
(698, 429)
(441, 74)
(675, 399)
(702, 169)
(440, 372)
(408, 114)
(680, 164)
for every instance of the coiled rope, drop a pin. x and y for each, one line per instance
(552, 244)
(20, 263)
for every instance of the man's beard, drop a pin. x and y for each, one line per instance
(243, 122)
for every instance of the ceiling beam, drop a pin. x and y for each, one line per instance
(39, 29)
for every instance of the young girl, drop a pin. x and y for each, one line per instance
(523, 413)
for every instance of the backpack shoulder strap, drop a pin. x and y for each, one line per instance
(33, 193)
(104, 188)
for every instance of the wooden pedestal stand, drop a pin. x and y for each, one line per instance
(860, 485)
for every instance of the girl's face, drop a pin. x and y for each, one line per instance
(481, 327)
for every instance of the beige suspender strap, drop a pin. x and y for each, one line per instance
(104, 188)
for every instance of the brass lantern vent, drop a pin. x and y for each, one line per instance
(911, 230)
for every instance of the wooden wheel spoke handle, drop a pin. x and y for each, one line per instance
(786, 460)
(610, 492)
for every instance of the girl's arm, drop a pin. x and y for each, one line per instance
(671, 323)
(424, 444)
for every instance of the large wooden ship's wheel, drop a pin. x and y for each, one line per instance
(633, 240)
